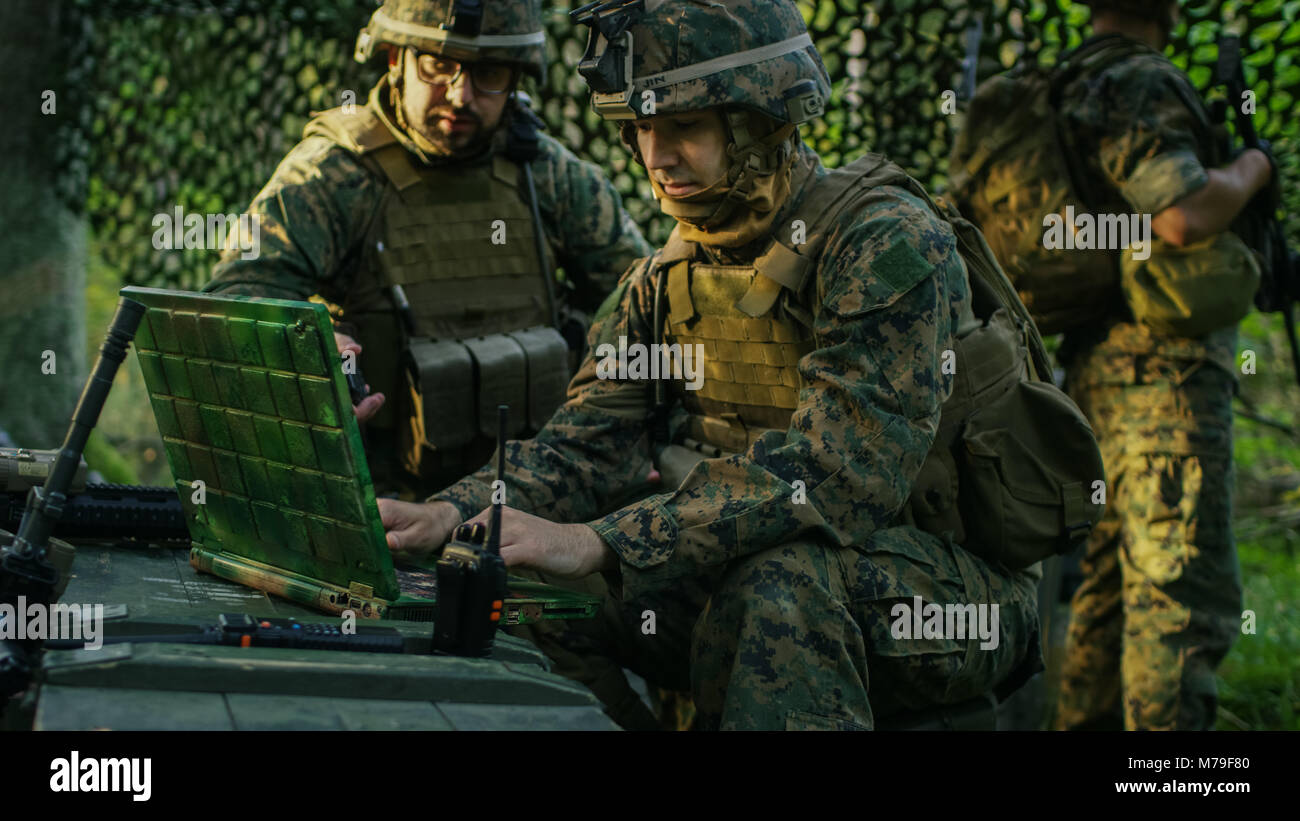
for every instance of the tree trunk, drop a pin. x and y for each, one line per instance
(43, 245)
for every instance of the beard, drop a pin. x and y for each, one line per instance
(436, 131)
(458, 140)
(428, 134)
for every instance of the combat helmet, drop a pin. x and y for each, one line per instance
(687, 55)
(508, 31)
(748, 57)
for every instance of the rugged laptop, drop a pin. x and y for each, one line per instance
(251, 400)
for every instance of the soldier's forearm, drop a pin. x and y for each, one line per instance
(264, 286)
(1213, 207)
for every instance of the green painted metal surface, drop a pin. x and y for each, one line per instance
(164, 686)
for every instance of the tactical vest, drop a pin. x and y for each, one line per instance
(1014, 496)
(462, 244)
(750, 383)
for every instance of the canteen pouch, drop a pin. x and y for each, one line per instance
(546, 356)
(1027, 462)
(1192, 290)
(502, 370)
(989, 358)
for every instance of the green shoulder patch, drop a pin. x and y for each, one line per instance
(862, 285)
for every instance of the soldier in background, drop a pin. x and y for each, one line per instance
(442, 185)
(1160, 602)
(430, 186)
(774, 609)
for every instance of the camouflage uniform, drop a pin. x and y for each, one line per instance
(329, 199)
(1161, 600)
(776, 611)
(324, 202)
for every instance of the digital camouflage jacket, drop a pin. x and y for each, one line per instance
(888, 289)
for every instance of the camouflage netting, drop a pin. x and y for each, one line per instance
(192, 103)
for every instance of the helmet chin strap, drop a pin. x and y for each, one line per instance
(755, 169)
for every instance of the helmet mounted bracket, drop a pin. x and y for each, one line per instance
(466, 18)
(607, 63)
(804, 102)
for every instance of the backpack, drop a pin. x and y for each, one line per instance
(1013, 472)
(1014, 465)
(1008, 173)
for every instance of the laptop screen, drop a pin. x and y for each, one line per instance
(251, 400)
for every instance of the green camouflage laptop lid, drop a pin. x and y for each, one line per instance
(252, 403)
(251, 400)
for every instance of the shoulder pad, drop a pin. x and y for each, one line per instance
(359, 129)
(839, 190)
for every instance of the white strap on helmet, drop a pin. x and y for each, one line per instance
(742, 58)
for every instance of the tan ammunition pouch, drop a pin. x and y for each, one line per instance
(1010, 473)
(1192, 290)
(461, 242)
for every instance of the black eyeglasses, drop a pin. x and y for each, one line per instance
(488, 78)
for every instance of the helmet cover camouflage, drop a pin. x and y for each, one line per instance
(694, 54)
(508, 31)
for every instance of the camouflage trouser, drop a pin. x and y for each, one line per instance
(788, 636)
(1161, 599)
(574, 648)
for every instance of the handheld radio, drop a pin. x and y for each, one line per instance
(472, 578)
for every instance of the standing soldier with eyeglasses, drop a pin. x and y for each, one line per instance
(433, 219)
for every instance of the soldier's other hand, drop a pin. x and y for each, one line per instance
(369, 406)
(415, 530)
(346, 343)
(565, 551)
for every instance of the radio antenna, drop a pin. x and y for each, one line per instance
(494, 538)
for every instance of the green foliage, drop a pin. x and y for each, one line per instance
(193, 105)
(194, 102)
(1260, 681)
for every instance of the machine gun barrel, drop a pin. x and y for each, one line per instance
(45, 505)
